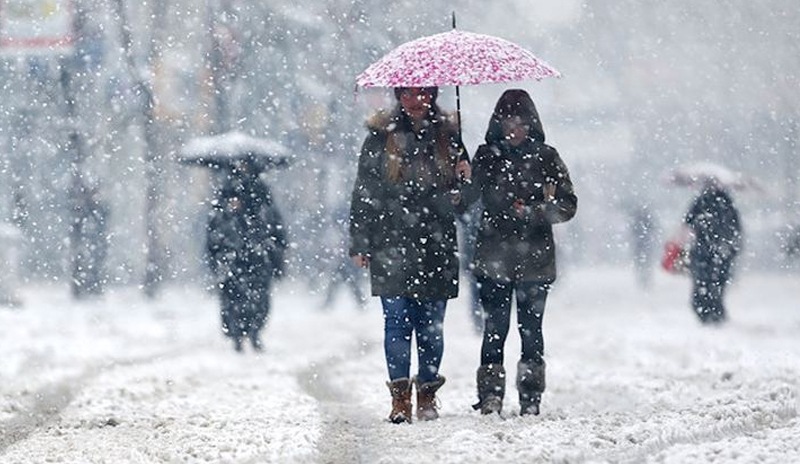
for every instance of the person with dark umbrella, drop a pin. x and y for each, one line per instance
(245, 244)
(715, 224)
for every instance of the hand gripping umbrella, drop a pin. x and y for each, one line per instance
(455, 58)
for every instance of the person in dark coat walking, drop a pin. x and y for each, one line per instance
(245, 244)
(89, 234)
(525, 188)
(402, 226)
(714, 221)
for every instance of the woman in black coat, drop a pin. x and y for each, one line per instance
(714, 222)
(402, 226)
(525, 188)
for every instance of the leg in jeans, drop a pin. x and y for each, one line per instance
(531, 299)
(398, 327)
(428, 319)
(496, 301)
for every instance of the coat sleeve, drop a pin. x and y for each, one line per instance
(471, 190)
(691, 215)
(364, 197)
(565, 203)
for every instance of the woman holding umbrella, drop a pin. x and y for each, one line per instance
(525, 188)
(402, 227)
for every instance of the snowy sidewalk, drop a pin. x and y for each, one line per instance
(632, 377)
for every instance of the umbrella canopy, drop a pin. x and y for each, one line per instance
(455, 58)
(702, 173)
(225, 149)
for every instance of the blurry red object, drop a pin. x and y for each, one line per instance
(675, 257)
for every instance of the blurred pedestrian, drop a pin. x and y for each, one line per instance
(643, 239)
(89, 235)
(245, 243)
(341, 270)
(525, 188)
(714, 222)
(10, 248)
(402, 226)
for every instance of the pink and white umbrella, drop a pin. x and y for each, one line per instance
(455, 58)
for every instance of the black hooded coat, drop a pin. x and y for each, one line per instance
(510, 247)
(245, 248)
(715, 222)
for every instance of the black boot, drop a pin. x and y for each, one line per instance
(426, 398)
(530, 384)
(491, 380)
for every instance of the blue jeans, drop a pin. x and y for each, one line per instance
(402, 316)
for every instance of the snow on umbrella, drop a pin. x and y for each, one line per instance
(702, 173)
(225, 149)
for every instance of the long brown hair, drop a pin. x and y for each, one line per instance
(443, 134)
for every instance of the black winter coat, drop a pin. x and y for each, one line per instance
(714, 220)
(406, 228)
(510, 247)
(246, 247)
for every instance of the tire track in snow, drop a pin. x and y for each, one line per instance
(344, 423)
(50, 400)
(774, 412)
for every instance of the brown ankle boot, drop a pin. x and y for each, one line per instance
(401, 400)
(426, 398)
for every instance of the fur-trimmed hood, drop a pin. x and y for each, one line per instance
(388, 121)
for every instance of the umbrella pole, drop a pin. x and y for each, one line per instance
(458, 112)
(458, 96)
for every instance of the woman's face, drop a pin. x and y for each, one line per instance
(415, 102)
(514, 130)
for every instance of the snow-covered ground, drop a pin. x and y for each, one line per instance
(632, 377)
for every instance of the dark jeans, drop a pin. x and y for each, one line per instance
(496, 298)
(404, 316)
